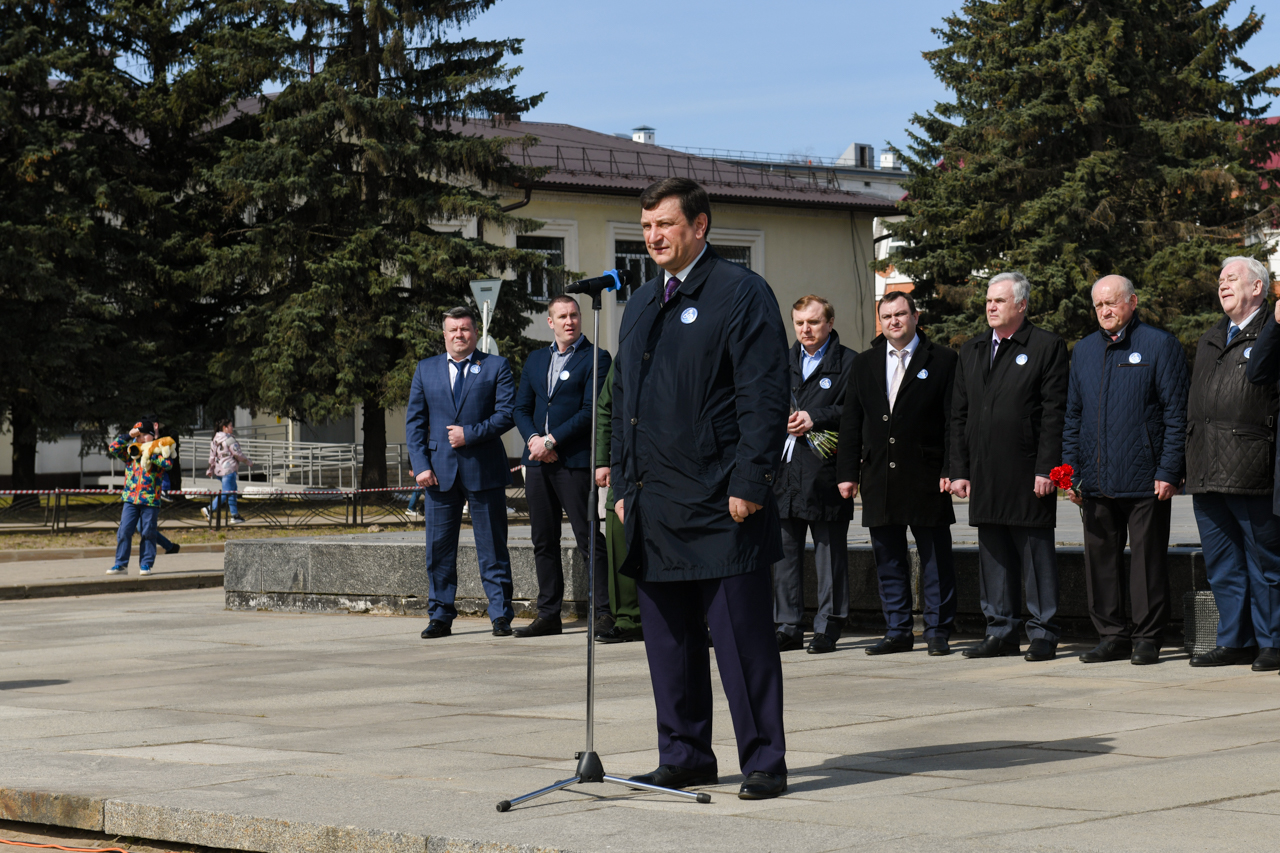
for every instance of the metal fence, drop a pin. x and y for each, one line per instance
(68, 510)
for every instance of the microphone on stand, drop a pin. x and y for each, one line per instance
(608, 280)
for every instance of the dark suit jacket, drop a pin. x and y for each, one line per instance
(700, 405)
(1006, 425)
(484, 415)
(806, 486)
(1264, 369)
(898, 457)
(568, 409)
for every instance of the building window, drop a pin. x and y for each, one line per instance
(544, 284)
(738, 254)
(632, 255)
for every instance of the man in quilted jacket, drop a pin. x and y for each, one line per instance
(1124, 437)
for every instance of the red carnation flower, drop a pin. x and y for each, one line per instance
(1061, 476)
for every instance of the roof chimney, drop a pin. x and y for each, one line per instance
(643, 133)
(891, 160)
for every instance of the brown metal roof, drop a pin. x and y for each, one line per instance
(581, 160)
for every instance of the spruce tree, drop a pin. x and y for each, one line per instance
(351, 195)
(109, 110)
(1084, 138)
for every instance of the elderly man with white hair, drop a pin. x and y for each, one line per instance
(1006, 439)
(1125, 438)
(1231, 454)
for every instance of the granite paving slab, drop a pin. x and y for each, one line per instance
(166, 716)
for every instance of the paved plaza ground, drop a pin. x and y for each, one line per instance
(161, 715)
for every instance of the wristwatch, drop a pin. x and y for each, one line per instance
(549, 443)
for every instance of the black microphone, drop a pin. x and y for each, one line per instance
(609, 280)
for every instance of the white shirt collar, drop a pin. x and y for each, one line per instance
(684, 273)
(1247, 320)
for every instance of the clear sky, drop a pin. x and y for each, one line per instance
(788, 76)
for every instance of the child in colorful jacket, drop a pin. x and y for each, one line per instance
(141, 498)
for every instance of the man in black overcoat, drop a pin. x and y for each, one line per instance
(894, 438)
(1006, 438)
(808, 498)
(699, 419)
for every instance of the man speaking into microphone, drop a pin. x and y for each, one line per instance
(700, 406)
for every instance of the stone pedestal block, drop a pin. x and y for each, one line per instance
(386, 573)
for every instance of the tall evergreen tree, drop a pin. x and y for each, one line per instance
(108, 109)
(346, 256)
(1089, 137)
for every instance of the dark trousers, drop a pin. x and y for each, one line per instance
(443, 512)
(623, 600)
(1145, 524)
(1241, 541)
(1010, 557)
(737, 610)
(553, 489)
(937, 579)
(830, 559)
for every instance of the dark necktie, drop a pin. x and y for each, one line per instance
(672, 284)
(1232, 331)
(457, 381)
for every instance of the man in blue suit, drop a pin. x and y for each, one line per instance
(459, 407)
(553, 414)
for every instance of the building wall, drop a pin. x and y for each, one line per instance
(797, 251)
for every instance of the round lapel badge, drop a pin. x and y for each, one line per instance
(688, 315)
(1135, 358)
(475, 368)
(1247, 351)
(824, 382)
(1022, 358)
(923, 374)
(564, 374)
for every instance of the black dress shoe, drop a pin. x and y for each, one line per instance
(671, 776)
(177, 546)
(1223, 656)
(891, 645)
(939, 647)
(1145, 653)
(618, 634)
(542, 626)
(603, 623)
(821, 644)
(502, 627)
(1268, 660)
(786, 642)
(435, 629)
(762, 786)
(1041, 649)
(993, 647)
(1110, 649)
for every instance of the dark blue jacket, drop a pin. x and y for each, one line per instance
(1126, 422)
(567, 411)
(700, 406)
(484, 415)
(1264, 369)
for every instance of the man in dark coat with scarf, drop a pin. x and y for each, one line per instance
(894, 438)
(1006, 439)
(699, 419)
(808, 497)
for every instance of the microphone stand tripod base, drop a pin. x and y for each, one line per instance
(591, 770)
